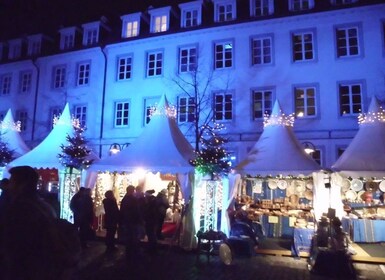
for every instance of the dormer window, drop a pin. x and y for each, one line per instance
(90, 33)
(34, 44)
(67, 38)
(301, 5)
(130, 25)
(261, 8)
(14, 49)
(343, 2)
(191, 14)
(160, 19)
(224, 10)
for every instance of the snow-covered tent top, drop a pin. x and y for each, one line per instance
(160, 148)
(365, 155)
(45, 155)
(9, 131)
(277, 151)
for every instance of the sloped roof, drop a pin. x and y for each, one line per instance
(45, 155)
(277, 151)
(160, 148)
(365, 155)
(11, 136)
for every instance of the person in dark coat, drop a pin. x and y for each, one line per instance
(111, 219)
(150, 220)
(130, 221)
(162, 206)
(82, 207)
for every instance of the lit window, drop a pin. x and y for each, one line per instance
(187, 59)
(59, 76)
(223, 106)
(160, 23)
(22, 116)
(261, 50)
(347, 41)
(186, 109)
(5, 86)
(350, 99)
(154, 64)
(262, 103)
(83, 74)
(261, 7)
(124, 68)
(121, 114)
(223, 55)
(305, 101)
(81, 114)
(131, 29)
(25, 82)
(303, 46)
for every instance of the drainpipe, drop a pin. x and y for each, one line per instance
(36, 95)
(103, 101)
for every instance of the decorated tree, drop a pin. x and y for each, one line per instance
(6, 155)
(75, 154)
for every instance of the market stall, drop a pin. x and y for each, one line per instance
(277, 187)
(159, 154)
(361, 170)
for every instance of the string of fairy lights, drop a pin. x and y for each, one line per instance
(372, 117)
(278, 119)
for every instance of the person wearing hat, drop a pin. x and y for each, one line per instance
(162, 206)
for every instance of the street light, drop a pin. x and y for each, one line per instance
(116, 148)
(308, 147)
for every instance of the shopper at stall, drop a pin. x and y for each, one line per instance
(162, 206)
(150, 221)
(130, 221)
(111, 219)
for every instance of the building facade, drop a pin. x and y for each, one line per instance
(322, 60)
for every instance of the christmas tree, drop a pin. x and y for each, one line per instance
(75, 154)
(6, 155)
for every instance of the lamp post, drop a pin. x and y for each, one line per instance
(116, 148)
(308, 147)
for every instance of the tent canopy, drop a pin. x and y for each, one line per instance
(365, 155)
(277, 151)
(11, 136)
(160, 148)
(45, 155)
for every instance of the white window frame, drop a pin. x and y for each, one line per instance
(344, 42)
(224, 10)
(222, 51)
(222, 102)
(22, 116)
(160, 19)
(130, 25)
(14, 51)
(186, 109)
(67, 38)
(121, 114)
(262, 102)
(25, 82)
(84, 71)
(300, 5)
(6, 83)
(59, 76)
(354, 108)
(124, 68)
(261, 8)
(303, 101)
(154, 58)
(188, 59)
(80, 112)
(34, 44)
(191, 14)
(300, 47)
(260, 52)
(150, 105)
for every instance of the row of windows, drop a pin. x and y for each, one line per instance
(25, 81)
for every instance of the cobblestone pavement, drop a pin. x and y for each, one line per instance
(174, 263)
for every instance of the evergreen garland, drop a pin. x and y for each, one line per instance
(75, 153)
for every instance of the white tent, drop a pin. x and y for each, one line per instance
(365, 155)
(277, 151)
(160, 148)
(45, 155)
(11, 135)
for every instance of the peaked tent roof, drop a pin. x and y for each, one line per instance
(45, 155)
(277, 151)
(365, 155)
(160, 148)
(11, 136)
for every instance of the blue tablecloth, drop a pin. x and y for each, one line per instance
(365, 230)
(280, 229)
(301, 241)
